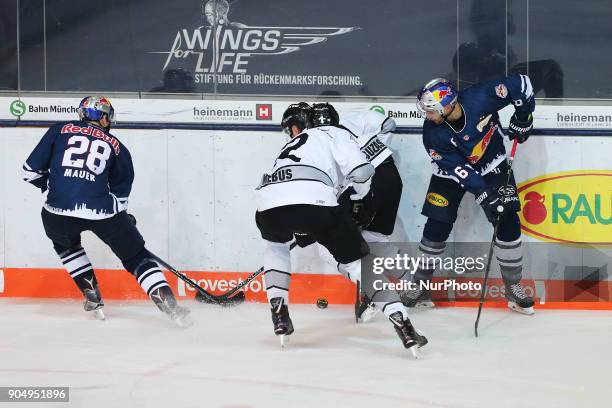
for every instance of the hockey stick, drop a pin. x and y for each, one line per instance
(232, 296)
(486, 277)
(200, 291)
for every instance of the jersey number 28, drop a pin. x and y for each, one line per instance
(98, 154)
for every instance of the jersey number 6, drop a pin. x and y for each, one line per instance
(98, 151)
(461, 172)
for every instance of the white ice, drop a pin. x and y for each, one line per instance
(230, 358)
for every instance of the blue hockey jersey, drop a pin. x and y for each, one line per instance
(466, 154)
(85, 171)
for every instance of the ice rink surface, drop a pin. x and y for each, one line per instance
(230, 358)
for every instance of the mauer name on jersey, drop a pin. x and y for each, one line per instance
(79, 174)
(91, 131)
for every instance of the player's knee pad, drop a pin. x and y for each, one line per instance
(437, 231)
(131, 263)
(146, 270)
(509, 228)
(63, 250)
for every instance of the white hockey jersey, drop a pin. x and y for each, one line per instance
(372, 130)
(310, 167)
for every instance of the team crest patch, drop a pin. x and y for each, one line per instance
(434, 155)
(466, 137)
(501, 91)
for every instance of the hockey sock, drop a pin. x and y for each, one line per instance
(389, 308)
(79, 267)
(277, 270)
(428, 255)
(510, 258)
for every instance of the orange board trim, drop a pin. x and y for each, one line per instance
(305, 288)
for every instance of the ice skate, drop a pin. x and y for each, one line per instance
(283, 327)
(164, 299)
(367, 310)
(410, 338)
(418, 298)
(93, 303)
(518, 300)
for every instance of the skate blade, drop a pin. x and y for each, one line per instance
(182, 319)
(425, 304)
(415, 352)
(183, 322)
(368, 314)
(99, 314)
(284, 340)
(522, 310)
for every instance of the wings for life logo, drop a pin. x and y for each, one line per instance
(221, 50)
(573, 207)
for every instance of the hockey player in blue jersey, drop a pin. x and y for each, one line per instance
(86, 174)
(463, 136)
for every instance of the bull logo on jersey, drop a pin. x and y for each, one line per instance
(435, 155)
(501, 91)
(224, 46)
(479, 150)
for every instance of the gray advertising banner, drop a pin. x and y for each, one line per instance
(355, 48)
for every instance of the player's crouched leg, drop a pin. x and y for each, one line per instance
(154, 283)
(65, 233)
(124, 239)
(79, 267)
(345, 243)
(509, 254)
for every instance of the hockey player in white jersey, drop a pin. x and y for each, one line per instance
(298, 196)
(375, 217)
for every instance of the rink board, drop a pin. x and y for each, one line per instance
(305, 288)
(193, 198)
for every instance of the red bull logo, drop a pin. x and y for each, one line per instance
(440, 94)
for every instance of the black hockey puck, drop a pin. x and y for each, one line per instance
(322, 303)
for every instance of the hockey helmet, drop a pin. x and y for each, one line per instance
(324, 114)
(436, 95)
(298, 114)
(92, 108)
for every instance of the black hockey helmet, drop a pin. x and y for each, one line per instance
(324, 114)
(298, 114)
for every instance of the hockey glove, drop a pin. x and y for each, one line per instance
(520, 127)
(361, 189)
(491, 203)
(509, 198)
(303, 240)
(362, 211)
